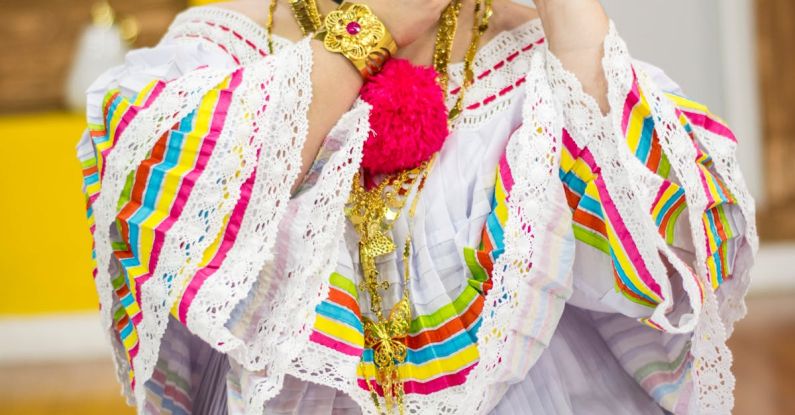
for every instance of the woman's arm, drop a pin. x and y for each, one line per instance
(575, 30)
(335, 86)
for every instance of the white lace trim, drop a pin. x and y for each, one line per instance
(714, 381)
(713, 359)
(723, 153)
(303, 281)
(624, 174)
(533, 155)
(500, 68)
(279, 135)
(215, 193)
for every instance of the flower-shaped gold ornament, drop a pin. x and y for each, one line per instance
(354, 31)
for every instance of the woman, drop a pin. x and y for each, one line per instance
(289, 217)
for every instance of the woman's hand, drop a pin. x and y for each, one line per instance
(575, 31)
(407, 20)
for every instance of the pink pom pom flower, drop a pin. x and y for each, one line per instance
(409, 118)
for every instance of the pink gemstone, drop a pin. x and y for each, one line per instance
(353, 28)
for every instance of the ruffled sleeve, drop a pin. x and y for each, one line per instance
(664, 226)
(640, 217)
(188, 163)
(113, 101)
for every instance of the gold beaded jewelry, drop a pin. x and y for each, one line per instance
(307, 15)
(483, 12)
(269, 24)
(445, 35)
(373, 212)
(357, 34)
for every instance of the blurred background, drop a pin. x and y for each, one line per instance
(734, 55)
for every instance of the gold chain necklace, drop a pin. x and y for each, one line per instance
(307, 15)
(269, 24)
(373, 213)
(445, 35)
(483, 12)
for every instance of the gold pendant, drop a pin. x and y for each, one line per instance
(372, 214)
(388, 340)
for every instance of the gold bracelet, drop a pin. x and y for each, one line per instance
(356, 33)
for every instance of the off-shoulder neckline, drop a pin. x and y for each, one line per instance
(527, 32)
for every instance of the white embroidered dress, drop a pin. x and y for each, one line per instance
(562, 261)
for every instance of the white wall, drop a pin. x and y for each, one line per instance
(681, 37)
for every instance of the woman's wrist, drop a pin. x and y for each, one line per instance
(335, 65)
(575, 31)
(335, 86)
